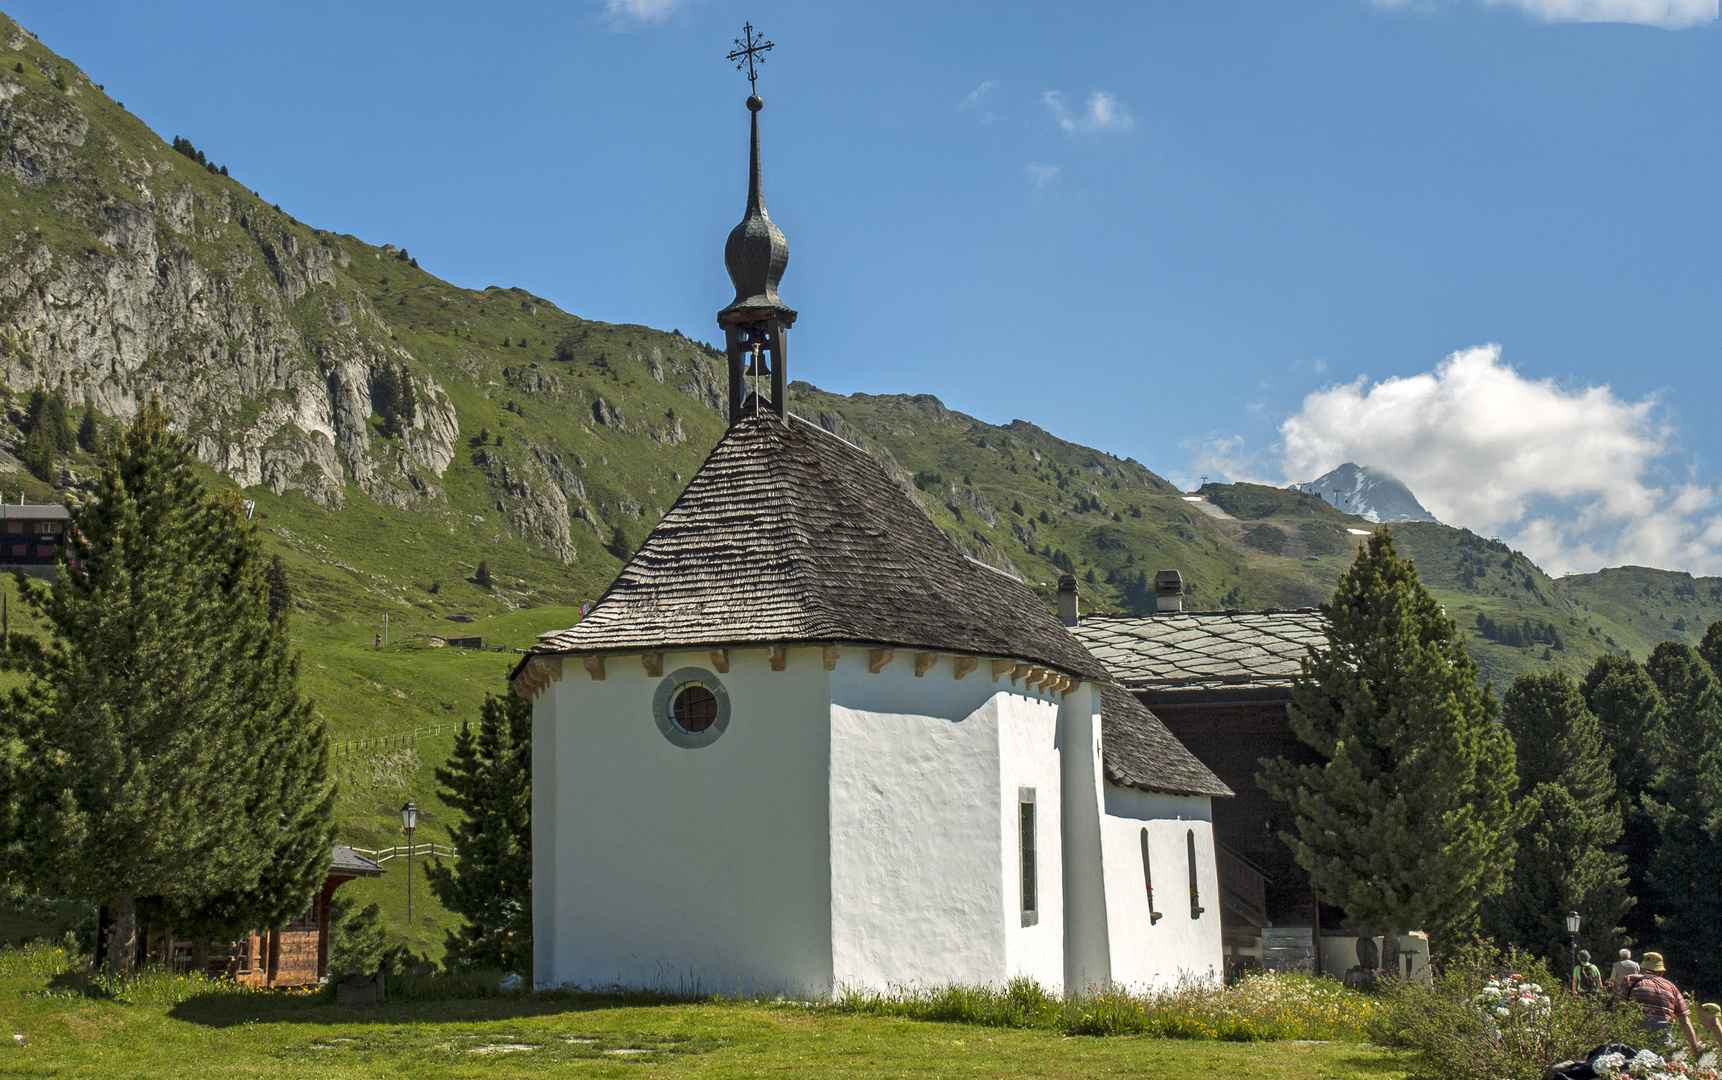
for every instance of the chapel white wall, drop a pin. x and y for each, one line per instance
(1087, 952)
(702, 868)
(925, 868)
(1182, 944)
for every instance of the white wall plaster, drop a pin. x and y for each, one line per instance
(1144, 953)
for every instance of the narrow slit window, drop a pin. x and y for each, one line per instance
(1148, 879)
(1030, 892)
(1196, 907)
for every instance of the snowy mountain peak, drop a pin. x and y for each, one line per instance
(1369, 493)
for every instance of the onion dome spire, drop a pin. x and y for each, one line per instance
(756, 323)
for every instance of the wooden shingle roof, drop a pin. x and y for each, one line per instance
(789, 535)
(1204, 649)
(1138, 751)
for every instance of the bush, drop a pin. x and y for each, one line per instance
(1495, 1014)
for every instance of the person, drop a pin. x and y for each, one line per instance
(1586, 975)
(1713, 1019)
(1663, 1004)
(1623, 969)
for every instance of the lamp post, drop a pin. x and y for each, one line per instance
(409, 822)
(1572, 937)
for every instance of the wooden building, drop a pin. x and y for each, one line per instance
(32, 537)
(295, 955)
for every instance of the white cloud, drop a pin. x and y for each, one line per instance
(973, 101)
(1569, 475)
(1104, 113)
(1667, 14)
(1041, 176)
(635, 12)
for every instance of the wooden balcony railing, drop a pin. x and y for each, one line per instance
(1243, 887)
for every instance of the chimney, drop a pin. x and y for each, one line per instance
(1067, 613)
(1168, 591)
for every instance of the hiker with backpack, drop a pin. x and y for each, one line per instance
(1587, 977)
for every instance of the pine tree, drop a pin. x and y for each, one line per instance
(167, 754)
(89, 434)
(1629, 710)
(1409, 823)
(47, 414)
(38, 454)
(481, 576)
(489, 781)
(280, 588)
(1566, 858)
(1686, 871)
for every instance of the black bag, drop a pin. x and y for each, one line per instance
(1583, 1070)
(1590, 978)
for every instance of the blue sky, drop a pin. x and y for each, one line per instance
(1181, 232)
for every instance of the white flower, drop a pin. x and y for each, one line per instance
(1502, 1011)
(1609, 1062)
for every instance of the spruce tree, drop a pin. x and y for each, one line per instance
(89, 434)
(1629, 712)
(1566, 859)
(488, 780)
(167, 756)
(1686, 871)
(280, 589)
(1409, 823)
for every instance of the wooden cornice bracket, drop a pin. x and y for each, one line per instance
(594, 666)
(830, 655)
(720, 660)
(924, 662)
(962, 665)
(779, 657)
(1003, 667)
(877, 658)
(1037, 677)
(539, 673)
(653, 662)
(1020, 671)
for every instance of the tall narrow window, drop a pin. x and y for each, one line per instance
(1025, 821)
(1196, 907)
(1148, 879)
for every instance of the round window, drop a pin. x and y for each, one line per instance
(691, 708)
(694, 708)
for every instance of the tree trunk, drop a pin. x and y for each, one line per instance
(123, 939)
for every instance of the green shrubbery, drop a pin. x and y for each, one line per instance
(1457, 1026)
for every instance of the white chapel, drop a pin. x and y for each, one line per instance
(803, 744)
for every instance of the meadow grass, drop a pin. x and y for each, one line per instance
(187, 1028)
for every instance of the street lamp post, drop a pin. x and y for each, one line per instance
(1572, 937)
(409, 822)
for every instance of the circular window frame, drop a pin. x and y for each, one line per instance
(664, 698)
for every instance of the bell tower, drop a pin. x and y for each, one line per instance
(756, 323)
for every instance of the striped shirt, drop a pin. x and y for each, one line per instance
(1661, 999)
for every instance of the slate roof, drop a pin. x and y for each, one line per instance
(34, 512)
(1138, 751)
(347, 861)
(788, 535)
(1205, 650)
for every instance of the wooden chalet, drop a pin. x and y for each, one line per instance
(32, 537)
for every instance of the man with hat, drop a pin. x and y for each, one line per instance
(1662, 1002)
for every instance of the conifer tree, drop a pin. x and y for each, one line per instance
(89, 434)
(280, 588)
(166, 753)
(1629, 712)
(1686, 871)
(1566, 859)
(1409, 823)
(489, 781)
(481, 576)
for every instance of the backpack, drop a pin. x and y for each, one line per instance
(1590, 978)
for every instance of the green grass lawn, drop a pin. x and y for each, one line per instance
(280, 1035)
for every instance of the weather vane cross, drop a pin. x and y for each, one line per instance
(749, 51)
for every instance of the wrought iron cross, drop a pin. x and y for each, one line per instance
(749, 50)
